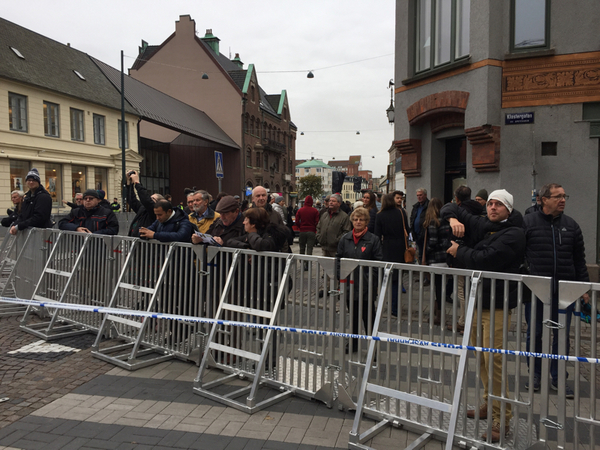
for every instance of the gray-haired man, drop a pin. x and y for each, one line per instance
(332, 226)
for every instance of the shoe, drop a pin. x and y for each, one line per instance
(482, 412)
(568, 390)
(321, 293)
(496, 432)
(460, 329)
(536, 383)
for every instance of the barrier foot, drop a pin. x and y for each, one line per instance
(345, 399)
(325, 394)
(145, 357)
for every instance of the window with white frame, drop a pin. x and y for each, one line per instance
(17, 112)
(99, 134)
(530, 24)
(76, 124)
(442, 32)
(51, 116)
(126, 134)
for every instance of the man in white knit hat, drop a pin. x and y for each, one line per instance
(497, 244)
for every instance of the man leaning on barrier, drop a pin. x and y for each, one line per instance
(171, 225)
(555, 249)
(228, 226)
(37, 205)
(498, 245)
(17, 199)
(91, 218)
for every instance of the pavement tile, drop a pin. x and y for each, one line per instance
(295, 435)
(231, 429)
(254, 434)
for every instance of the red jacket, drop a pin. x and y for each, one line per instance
(307, 217)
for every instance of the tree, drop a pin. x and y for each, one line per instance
(310, 185)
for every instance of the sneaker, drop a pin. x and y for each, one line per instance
(568, 390)
(536, 383)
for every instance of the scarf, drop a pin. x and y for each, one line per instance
(356, 236)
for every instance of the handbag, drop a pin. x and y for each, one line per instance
(409, 252)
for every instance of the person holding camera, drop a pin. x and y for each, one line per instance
(142, 204)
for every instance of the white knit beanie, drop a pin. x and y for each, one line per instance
(502, 195)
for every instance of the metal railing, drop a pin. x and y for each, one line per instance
(400, 378)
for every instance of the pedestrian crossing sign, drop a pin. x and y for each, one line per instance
(219, 164)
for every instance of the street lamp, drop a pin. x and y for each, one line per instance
(390, 111)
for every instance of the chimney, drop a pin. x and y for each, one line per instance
(237, 61)
(211, 40)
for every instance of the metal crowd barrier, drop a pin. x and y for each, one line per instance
(408, 374)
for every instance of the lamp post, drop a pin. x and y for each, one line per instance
(390, 111)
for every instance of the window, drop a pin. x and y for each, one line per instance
(18, 173)
(76, 124)
(51, 119)
(249, 157)
(258, 160)
(126, 135)
(54, 182)
(77, 180)
(276, 164)
(549, 148)
(318, 170)
(99, 129)
(100, 180)
(442, 32)
(266, 161)
(530, 23)
(17, 112)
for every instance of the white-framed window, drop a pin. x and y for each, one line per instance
(51, 117)
(442, 32)
(99, 135)
(76, 124)
(126, 134)
(17, 112)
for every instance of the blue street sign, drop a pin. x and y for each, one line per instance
(219, 164)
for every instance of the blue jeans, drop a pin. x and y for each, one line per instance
(538, 335)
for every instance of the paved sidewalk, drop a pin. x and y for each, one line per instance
(66, 399)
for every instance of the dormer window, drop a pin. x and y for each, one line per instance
(17, 52)
(79, 75)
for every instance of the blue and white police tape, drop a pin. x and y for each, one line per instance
(397, 340)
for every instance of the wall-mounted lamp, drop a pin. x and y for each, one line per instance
(391, 113)
(205, 76)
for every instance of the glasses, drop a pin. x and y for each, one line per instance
(359, 219)
(87, 199)
(559, 197)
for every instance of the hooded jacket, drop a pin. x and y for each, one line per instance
(177, 229)
(307, 217)
(36, 210)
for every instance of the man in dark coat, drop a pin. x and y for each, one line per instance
(417, 216)
(229, 225)
(37, 205)
(143, 208)
(499, 246)
(91, 217)
(12, 214)
(171, 225)
(555, 249)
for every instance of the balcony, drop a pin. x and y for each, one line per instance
(274, 146)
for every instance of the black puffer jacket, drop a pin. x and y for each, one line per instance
(99, 220)
(500, 247)
(413, 217)
(555, 248)
(36, 210)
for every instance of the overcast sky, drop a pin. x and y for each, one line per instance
(274, 36)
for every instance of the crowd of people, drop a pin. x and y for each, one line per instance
(485, 233)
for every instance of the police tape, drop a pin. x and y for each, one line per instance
(420, 343)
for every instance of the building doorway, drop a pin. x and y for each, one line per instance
(455, 166)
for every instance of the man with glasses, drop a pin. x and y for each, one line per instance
(554, 249)
(91, 217)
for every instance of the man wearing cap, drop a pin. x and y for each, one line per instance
(332, 226)
(230, 223)
(482, 197)
(91, 217)
(496, 244)
(37, 205)
(555, 249)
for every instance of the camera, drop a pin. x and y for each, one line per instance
(131, 172)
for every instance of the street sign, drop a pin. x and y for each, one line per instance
(219, 164)
(517, 118)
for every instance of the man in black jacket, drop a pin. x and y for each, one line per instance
(554, 249)
(37, 205)
(498, 246)
(144, 207)
(91, 217)
(417, 216)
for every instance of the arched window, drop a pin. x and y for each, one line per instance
(266, 161)
(249, 157)
(258, 127)
(257, 160)
(252, 125)
(246, 117)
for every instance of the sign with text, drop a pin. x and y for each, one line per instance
(219, 164)
(517, 118)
